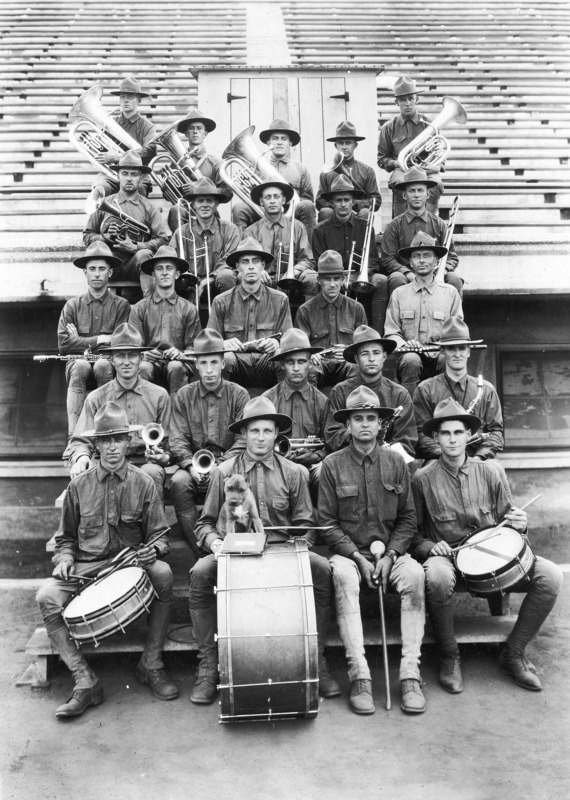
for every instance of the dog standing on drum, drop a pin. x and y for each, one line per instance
(109, 507)
(239, 506)
(454, 496)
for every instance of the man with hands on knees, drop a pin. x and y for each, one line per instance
(110, 507)
(366, 503)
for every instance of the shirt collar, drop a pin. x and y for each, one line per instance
(289, 391)
(256, 295)
(103, 299)
(323, 302)
(269, 224)
(410, 215)
(103, 473)
(349, 221)
(120, 390)
(417, 287)
(200, 227)
(172, 298)
(249, 462)
(199, 151)
(462, 383)
(454, 471)
(359, 458)
(415, 119)
(279, 160)
(203, 391)
(122, 120)
(122, 198)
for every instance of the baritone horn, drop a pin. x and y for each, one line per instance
(174, 170)
(152, 435)
(429, 150)
(94, 132)
(96, 201)
(203, 462)
(244, 167)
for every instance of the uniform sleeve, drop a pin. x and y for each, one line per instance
(71, 343)
(159, 233)
(421, 544)
(66, 537)
(79, 445)
(423, 410)
(492, 424)
(154, 521)
(240, 399)
(336, 435)
(305, 185)
(192, 326)
(323, 187)
(389, 249)
(406, 522)
(92, 231)
(230, 244)
(392, 329)
(147, 151)
(180, 433)
(284, 321)
(303, 253)
(318, 244)
(404, 430)
(205, 530)
(302, 319)
(216, 318)
(385, 151)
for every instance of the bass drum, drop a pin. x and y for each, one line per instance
(497, 564)
(267, 635)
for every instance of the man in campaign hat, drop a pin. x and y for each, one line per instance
(454, 496)
(367, 513)
(106, 509)
(133, 245)
(399, 132)
(361, 175)
(202, 413)
(85, 323)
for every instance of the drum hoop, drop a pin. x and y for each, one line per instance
(142, 580)
(500, 570)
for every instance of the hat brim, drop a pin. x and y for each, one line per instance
(348, 136)
(280, 356)
(293, 135)
(357, 194)
(350, 352)
(344, 413)
(118, 93)
(181, 265)
(258, 190)
(283, 422)
(429, 183)
(82, 261)
(123, 349)
(406, 252)
(188, 193)
(196, 355)
(143, 169)
(459, 341)
(233, 258)
(403, 94)
(184, 124)
(472, 422)
(101, 435)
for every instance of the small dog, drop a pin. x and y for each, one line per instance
(239, 507)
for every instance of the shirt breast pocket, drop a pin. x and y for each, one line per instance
(319, 336)
(92, 534)
(446, 524)
(280, 504)
(130, 529)
(390, 500)
(409, 323)
(348, 501)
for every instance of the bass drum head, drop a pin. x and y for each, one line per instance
(493, 556)
(103, 593)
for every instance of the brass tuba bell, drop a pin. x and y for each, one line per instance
(429, 150)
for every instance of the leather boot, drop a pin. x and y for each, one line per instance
(206, 686)
(187, 524)
(87, 691)
(450, 673)
(441, 618)
(150, 669)
(328, 687)
(515, 665)
(361, 700)
(413, 700)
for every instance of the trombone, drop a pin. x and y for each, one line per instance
(197, 252)
(450, 224)
(361, 284)
(289, 282)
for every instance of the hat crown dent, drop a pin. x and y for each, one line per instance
(111, 418)
(330, 262)
(208, 341)
(127, 336)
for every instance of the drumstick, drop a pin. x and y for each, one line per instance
(384, 647)
(493, 532)
(298, 527)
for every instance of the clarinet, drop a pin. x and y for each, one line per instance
(88, 355)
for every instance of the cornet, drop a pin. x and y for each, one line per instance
(284, 446)
(203, 462)
(152, 435)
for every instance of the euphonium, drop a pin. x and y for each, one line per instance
(174, 169)
(251, 168)
(203, 462)
(95, 133)
(152, 435)
(96, 202)
(429, 150)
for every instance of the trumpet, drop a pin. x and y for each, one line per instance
(284, 446)
(96, 201)
(429, 149)
(203, 462)
(174, 170)
(152, 435)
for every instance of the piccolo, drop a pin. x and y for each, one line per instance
(432, 347)
(86, 356)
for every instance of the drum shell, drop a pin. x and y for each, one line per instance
(503, 579)
(267, 635)
(115, 613)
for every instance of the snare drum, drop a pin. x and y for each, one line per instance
(109, 604)
(497, 564)
(267, 635)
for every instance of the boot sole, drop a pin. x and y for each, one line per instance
(95, 702)
(144, 680)
(328, 695)
(362, 713)
(202, 702)
(408, 710)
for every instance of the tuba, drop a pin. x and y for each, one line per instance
(244, 167)
(94, 132)
(175, 169)
(429, 150)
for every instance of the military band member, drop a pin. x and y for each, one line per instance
(280, 137)
(369, 352)
(142, 401)
(207, 239)
(454, 496)
(400, 232)
(273, 232)
(366, 503)
(345, 232)
(85, 323)
(417, 311)
(329, 320)
(111, 506)
(399, 132)
(166, 322)
(360, 175)
(131, 248)
(251, 311)
(455, 383)
(202, 413)
(141, 129)
(281, 492)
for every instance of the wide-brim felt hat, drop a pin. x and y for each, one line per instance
(131, 160)
(422, 241)
(258, 190)
(346, 130)
(165, 253)
(97, 249)
(449, 409)
(248, 246)
(415, 175)
(342, 185)
(294, 341)
(204, 187)
(261, 408)
(362, 398)
(364, 334)
(455, 331)
(111, 420)
(330, 263)
(208, 343)
(130, 85)
(280, 126)
(125, 337)
(406, 85)
(195, 115)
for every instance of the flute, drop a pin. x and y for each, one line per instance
(432, 347)
(88, 355)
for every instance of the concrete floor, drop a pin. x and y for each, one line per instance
(493, 741)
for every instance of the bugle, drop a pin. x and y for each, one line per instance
(96, 201)
(429, 149)
(284, 446)
(174, 170)
(152, 435)
(203, 461)
(94, 132)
